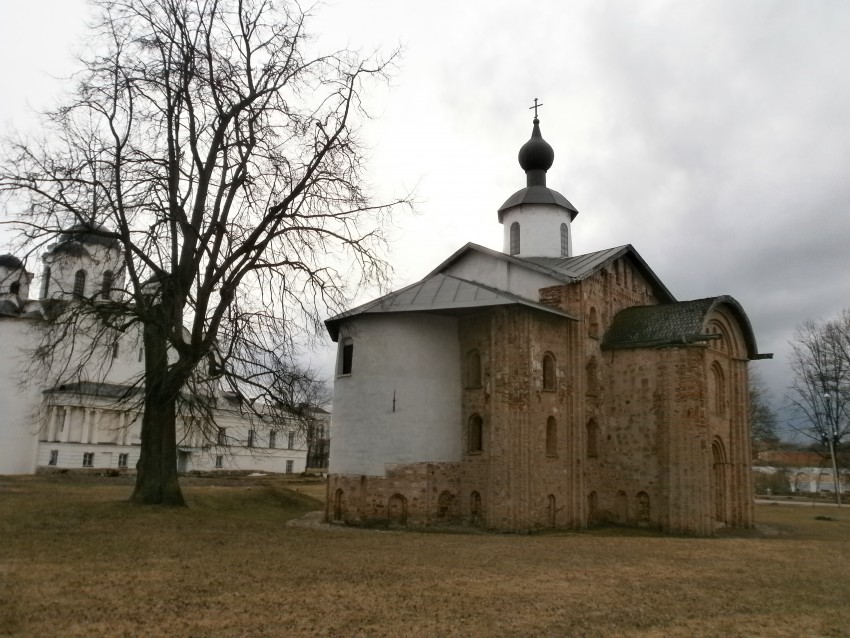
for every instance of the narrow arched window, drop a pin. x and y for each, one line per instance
(551, 437)
(338, 505)
(45, 284)
(79, 284)
(592, 507)
(549, 380)
(346, 359)
(473, 370)
(475, 434)
(106, 285)
(719, 384)
(565, 240)
(644, 512)
(593, 323)
(515, 238)
(592, 439)
(475, 507)
(15, 288)
(591, 377)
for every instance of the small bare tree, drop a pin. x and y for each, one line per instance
(762, 416)
(205, 141)
(820, 391)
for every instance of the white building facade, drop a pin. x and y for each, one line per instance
(95, 422)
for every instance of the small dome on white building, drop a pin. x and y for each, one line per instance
(85, 262)
(14, 284)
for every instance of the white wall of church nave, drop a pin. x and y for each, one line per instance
(18, 429)
(539, 230)
(499, 274)
(414, 357)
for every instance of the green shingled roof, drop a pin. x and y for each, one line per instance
(671, 324)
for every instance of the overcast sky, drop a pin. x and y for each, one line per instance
(713, 136)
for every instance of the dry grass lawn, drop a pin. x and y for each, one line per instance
(76, 559)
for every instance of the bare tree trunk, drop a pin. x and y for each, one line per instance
(156, 478)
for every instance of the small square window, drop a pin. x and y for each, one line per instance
(122, 460)
(88, 459)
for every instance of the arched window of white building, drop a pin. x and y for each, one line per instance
(106, 285)
(79, 284)
(45, 284)
(565, 240)
(346, 359)
(515, 238)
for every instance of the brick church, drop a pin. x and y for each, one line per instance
(534, 388)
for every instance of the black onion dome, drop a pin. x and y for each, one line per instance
(89, 233)
(535, 158)
(11, 262)
(536, 154)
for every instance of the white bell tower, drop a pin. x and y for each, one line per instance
(537, 219)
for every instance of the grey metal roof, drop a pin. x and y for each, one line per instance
(580, 266)
(670, 324)
(537, 195)
(435, 293)
(570, 269)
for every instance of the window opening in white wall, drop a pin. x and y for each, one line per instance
(79, 284)
(347, 356)
(88, 459)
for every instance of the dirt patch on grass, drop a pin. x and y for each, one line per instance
(76, 559)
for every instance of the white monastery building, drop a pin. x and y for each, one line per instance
(95, 424)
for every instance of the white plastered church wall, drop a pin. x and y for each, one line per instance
(410, 356)
(501, 275)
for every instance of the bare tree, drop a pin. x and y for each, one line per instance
(222, 158)
(820, 391)
(762, 415)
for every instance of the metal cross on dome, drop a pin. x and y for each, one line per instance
(535, 107)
